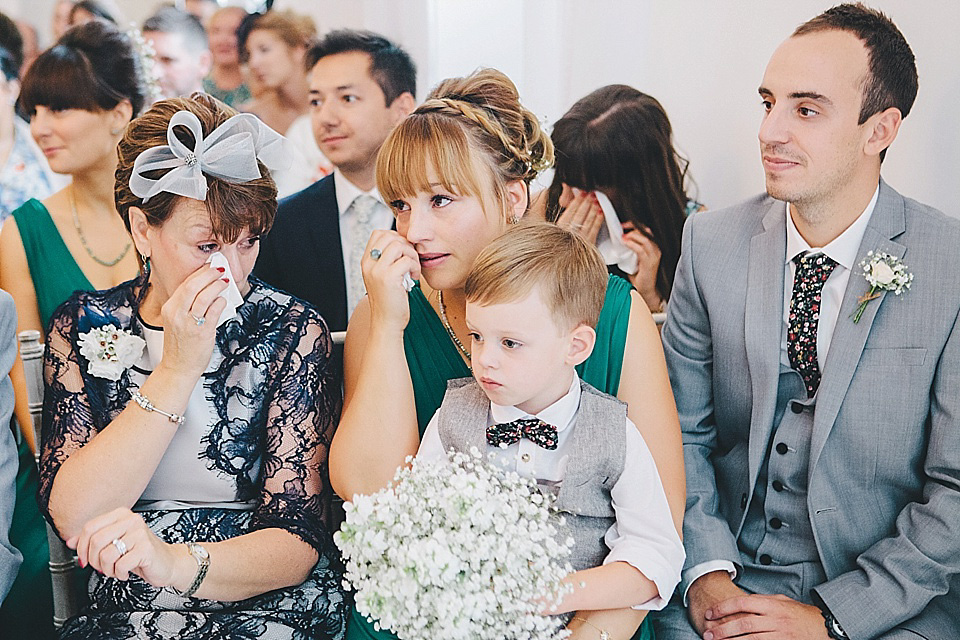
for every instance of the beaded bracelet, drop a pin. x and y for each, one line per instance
(146, 405)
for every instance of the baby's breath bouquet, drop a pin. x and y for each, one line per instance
(456, 549)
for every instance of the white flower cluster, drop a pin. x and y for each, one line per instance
(110, 351)
(456, 549)
(884, 271)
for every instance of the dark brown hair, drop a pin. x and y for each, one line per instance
(233, 207)
(891, 79)
(619, 141)
(92, 67)
(390, 66)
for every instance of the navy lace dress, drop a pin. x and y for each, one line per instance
(259, 461)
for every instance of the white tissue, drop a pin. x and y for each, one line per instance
(407, 282)
(610, 239)
(231, 294)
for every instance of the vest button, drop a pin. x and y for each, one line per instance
(776, 523)
(766, 559)
(781, 448)
(525, 457)
(777, 486)
(743, 501)
(796, 407)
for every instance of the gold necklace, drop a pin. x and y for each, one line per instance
(83, 240)
(446, 325)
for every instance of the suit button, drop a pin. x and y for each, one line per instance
(796, 407)
(776, 523)
(781, 448)
(777, 486)
(765, 559)
(525, 457)
(743, 501)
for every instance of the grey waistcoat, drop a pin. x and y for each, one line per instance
(596, 459)
(778, 522)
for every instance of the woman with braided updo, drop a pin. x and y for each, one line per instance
(456, 173)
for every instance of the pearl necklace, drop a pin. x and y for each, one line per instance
(83, 240)
(446, 325)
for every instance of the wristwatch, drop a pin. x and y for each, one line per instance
(834, 630)
(203, 565)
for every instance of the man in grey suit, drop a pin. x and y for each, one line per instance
(822, 448)
(9, 556)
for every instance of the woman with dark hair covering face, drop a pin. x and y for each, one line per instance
(80, 95)
(618, 141)
(188, 412)
(456, 173)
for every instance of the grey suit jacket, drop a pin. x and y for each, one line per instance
(884, 471)
(9, 556)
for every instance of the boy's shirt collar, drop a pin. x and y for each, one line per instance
(560, 414)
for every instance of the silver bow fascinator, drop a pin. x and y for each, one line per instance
(230, 153)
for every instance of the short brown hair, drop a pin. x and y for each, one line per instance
(472, 130)
(233, 207)
(568, 272)
(891, 69)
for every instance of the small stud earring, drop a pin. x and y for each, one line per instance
(115, 132)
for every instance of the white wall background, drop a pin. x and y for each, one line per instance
(703, 59)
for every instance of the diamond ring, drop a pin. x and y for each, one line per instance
(375, 254)
(120, 545)
(199, 320)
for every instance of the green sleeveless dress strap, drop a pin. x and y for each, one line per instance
(55, 274)
(433, 359)
(28, 610)
(602, 369)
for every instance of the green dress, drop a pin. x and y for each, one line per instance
(28, 610)
(433, 360)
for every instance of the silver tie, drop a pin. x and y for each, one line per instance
(362, 209)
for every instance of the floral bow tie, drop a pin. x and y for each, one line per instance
(533, 429)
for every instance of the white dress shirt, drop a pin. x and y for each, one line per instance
(843, 250)
(307, 162)
(347, 192)
(643, 535)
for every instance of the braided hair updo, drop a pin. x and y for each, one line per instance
(473, 133)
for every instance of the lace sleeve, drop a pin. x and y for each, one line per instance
(304, 406)
(68, 420)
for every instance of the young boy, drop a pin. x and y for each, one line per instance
(533, 298)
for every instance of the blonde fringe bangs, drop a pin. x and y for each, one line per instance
(425, 142)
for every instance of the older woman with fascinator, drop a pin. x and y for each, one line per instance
(188, 412)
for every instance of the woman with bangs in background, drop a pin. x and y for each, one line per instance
(80, 95)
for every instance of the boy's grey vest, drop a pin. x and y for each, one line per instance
(596, 459)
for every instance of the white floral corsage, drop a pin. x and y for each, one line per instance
(883, 272)
(110, 351)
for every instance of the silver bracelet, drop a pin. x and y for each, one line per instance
(146, 405)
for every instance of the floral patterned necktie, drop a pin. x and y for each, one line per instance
(813, 269)
(533, 429)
